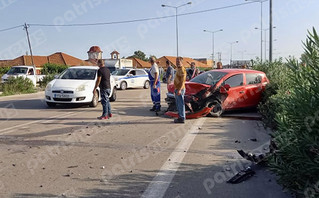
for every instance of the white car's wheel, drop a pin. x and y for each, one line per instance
(95, 100)
(123, 85)
(113, 97)
(147, 84)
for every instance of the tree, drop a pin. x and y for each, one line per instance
(52, 68)
(140, 55)
(153, 56)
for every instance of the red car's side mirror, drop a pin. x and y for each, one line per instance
(224, 89)
(227, 87)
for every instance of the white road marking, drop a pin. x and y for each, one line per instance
(157, 188)
(37, 121)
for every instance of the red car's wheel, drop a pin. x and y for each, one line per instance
(217, 109)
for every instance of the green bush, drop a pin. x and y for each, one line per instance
(276, 91)
(45, 80)
(297, 117)
(17, 85)
(51, 68)
(4, 70)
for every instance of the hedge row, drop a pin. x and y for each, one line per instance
(291, 107)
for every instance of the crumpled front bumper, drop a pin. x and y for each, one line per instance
(190, 113)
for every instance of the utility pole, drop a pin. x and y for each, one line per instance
(26, 30)
(270, 31)
(176, 21)
(219, 54)
(231, 52)
(261, 27)
(213, 44)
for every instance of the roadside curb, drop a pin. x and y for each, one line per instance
(3, 98)
(243, 116)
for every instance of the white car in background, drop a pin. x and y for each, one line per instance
(75, 85)
(23, 71)
(131, 78)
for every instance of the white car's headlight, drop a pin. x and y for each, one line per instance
(81, 88)
(48, 87)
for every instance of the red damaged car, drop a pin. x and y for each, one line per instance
(219, 90)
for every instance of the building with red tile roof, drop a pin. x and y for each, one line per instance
(138, 63)
(206, 61)
(186, 62)
(56, 58)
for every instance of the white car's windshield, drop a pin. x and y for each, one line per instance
(209, 78)
(18, 70)
(120, 72)
(79, 74)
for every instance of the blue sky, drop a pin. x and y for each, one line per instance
(292, 19)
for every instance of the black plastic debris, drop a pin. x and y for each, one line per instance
(256, 158)
(73, 166)
(253, 139)
(241, 176)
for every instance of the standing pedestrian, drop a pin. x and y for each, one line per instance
(179, 83)
(195, 70)
(169, 73)
(103, 81)
(219, 65)
(155, 85)
(161, 71)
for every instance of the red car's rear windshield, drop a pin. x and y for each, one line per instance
(209, 78)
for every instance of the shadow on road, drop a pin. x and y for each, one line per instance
(37, 104)
(191, 180)
(207, 179)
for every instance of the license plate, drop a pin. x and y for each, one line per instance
(61, 96)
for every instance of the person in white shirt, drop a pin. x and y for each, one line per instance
(155, 85)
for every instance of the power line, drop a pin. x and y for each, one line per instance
(102, 23)
(140, 20)
(11, 28)
(128, 21)
(215, 9)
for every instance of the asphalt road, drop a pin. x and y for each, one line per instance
(66, 152)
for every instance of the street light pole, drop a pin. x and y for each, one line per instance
(266, 44)
(261, 32)
(176, 10)
(231, 52)
(270, 30)
(213, 44)
(265, 39)
(176, 20)
(261, 27)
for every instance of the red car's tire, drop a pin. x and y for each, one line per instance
(217, 110)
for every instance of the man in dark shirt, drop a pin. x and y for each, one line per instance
(103, 81)
(169, 73)
(192, 72)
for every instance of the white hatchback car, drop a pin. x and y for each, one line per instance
(75, 85)
(131, 78)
